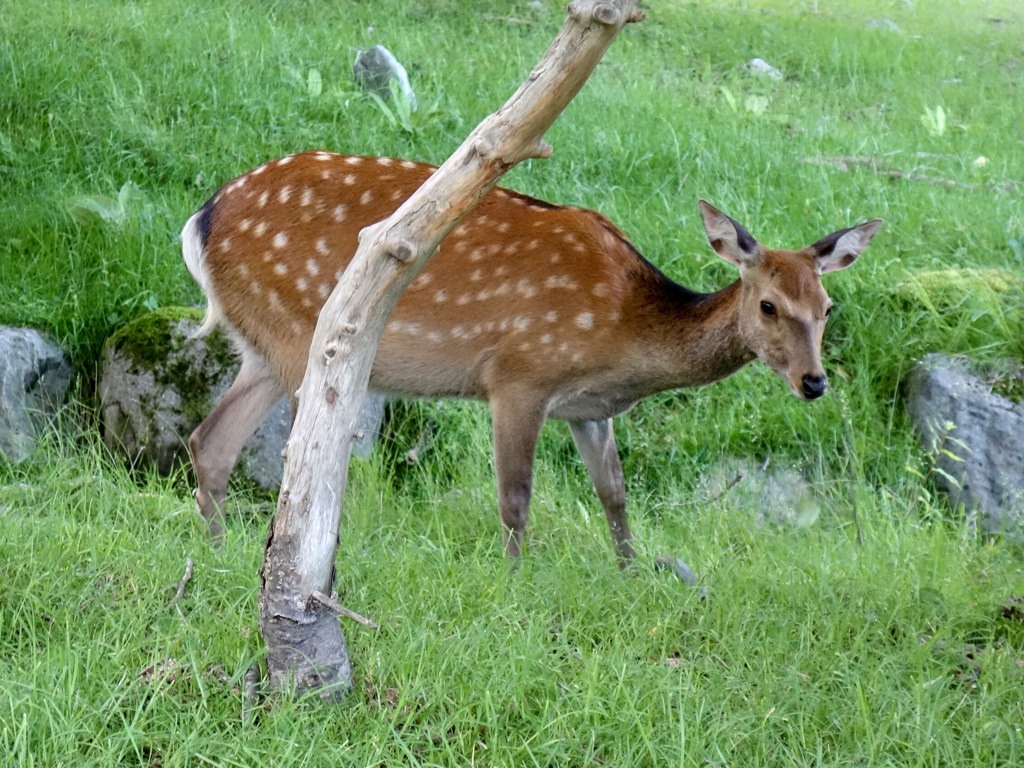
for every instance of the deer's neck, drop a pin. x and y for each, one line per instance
(694, 338)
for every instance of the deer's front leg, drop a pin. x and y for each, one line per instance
(517, 422)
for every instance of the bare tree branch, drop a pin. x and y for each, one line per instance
(304, 641)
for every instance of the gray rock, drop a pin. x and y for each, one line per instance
(776, 496)
(376, 68)
(976, 440)
(35, 376)
(158, 384)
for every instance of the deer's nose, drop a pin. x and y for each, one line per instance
(814, 386)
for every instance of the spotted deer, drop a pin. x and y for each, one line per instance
(544, 311)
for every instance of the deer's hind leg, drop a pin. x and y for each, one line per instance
(596, 444)
(217, 442)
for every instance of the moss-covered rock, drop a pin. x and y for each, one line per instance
(158, 383)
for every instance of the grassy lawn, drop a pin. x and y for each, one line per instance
(118, 119)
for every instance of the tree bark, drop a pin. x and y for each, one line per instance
(305, 644)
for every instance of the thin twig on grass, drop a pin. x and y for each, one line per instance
(875, 164)
(180, 587)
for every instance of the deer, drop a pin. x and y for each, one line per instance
(543, 311)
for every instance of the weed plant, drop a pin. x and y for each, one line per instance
(117, 120)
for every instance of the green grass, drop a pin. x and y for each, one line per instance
(117, 120)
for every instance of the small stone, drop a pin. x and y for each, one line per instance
(376, 68)
(887, 24)
(762, 68)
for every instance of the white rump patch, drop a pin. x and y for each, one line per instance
(194, 254)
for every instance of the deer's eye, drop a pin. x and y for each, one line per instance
(828, 312)
(767, 308)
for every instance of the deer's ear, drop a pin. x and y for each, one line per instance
(727, 237)
(840, 249)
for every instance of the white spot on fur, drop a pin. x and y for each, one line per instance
(340, 211)
(584, 321)
(284, 195)
(260, 229)
(307, 196)
(476, 255)
(349, 180)
(435, 336)
(244, 225)
(477, 276)
(302, 284)
(463, 299)
(256, 287)
(526, 289)
(551, 316)
(280, 239)
(353, 160)
(321, 248)
(325, 290)
(441, 296)
(601, 290)
(313, 267)
(384, 161)
(225, 244)
(259, 170)
(422, 280)
(366, 197)
(561, 281)
(280, 268)
(263, 198)
(521, 322)
(408, 164)
(546, 338)
(285, 160)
